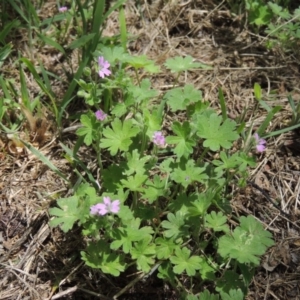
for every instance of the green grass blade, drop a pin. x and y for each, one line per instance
(45, 78)
(68, 95)
(79, 143)
(4, 89)
(268, 119)
(223, 104)
(24, 91)
(32, 12)
(257, 92)
(241, 128)
(12, 88)
(292, 103)
(2, 109)
(70, 153)
(52, 43)
(83, 18)
(98, 17)
(116, 6)
(123, 29)
(82, 41)
(7, 28)
(44, 88)
(4, 53)
(265, 105)
(18, 9)
(54, 19)
(45, 160)
(97, 22)
(281, 131)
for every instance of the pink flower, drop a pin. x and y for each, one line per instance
(100, 115)
(159, 139)
(103, 67)
(63, 9)
(260, 143)
(107, 206)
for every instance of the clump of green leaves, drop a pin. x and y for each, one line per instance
(174, 208)
(280, 24)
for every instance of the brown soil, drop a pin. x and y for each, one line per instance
(38, 262)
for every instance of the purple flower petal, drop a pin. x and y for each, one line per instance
(106, 200)
(103, 67)
(106, 207)
(159, 139)
(260, 143)
(256, 136)
(100, 115)
(260, 148)
(115, 206)
(94, 210)
(102, 209)
(104, 72)
(98, 209)
(63, 9)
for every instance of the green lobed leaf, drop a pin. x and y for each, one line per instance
(139, 61)
(165, 272)
(230, 280)
(216, 221)
(99, 256)
(153, 189)
(144, 253)
(113, 54)
(182, 202)
(180, 64)
(206, 295)
(67, 213)
(119, 136)
(131, 232)
(135, 163)
(247, 243)
(142, 92)
(227, 162)
(201, 204)
(165, 247)
(181, 98)
(207, 271)
(233, 295)
(175, 226)
(183, 141)
(134, 183)
(185, 263)
(88, 129)
(214, 133)
(187, 173)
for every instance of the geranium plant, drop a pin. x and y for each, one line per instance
(161, 202)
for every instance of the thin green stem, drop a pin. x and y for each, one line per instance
(177, 79)
(144, 139)
(107, 100)
(202, 155)
(137, 77)
(135, 200)
(98, 149)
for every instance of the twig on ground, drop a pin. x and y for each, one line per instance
(64, 293)
(94, 294)
(128, 286)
